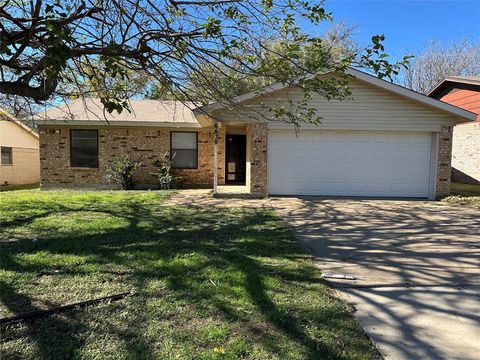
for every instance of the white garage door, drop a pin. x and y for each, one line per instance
(342, 163)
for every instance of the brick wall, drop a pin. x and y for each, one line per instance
(466, 153)
(258, 158)
(143, 144)
(444, 167)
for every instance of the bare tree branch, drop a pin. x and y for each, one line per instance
(437, 61)
(51, 48)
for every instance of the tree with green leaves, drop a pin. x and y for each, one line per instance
(71, 48)
(220, 81)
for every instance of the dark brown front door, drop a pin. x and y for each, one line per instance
(235, 159)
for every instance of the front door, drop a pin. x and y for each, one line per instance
(235, 159)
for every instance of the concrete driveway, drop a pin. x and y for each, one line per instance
(416, 264)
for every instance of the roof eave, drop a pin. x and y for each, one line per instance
(413, 95)
(14, 120)
(451, 80)
(438, 87)
(394, 88)
(161, 124)
(206, 109)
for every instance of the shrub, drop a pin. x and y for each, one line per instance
(164, 175)
(122, 170)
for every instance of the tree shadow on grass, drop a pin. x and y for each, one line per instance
(45, 344)
(57, 336)
(185, 248)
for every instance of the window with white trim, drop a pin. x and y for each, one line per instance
(7, 157)
(184, 150)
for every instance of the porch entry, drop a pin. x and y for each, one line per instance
(235, 159)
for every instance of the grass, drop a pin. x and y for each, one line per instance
(18, 187)
(212, 283)
(465, 189)
(464, 194)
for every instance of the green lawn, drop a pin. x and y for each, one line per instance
(465, 189)
(212, 283)
(464, 194)
(19, 187)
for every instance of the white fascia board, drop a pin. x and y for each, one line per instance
(383, 84)
(238, 99)
(397, 89)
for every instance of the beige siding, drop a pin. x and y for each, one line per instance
(25, 155)
(370, 108)
(25, 169)
(13, 135)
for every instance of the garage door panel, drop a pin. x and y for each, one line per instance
(349, 163)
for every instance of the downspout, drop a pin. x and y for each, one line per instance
(215, 158)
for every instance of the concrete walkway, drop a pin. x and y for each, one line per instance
(416, 264)
(203, 197)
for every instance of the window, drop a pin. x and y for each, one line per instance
(84, 148)
(7, 158)
(184, 146)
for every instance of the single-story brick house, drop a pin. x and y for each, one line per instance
(386, 141)
(464, 92)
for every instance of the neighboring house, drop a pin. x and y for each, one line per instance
(20, 163)
(461, 91)
(386, 141)
(464, 92)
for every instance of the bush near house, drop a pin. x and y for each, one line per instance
(122, 171)
(464, 194)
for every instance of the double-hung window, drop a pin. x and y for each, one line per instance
(184, 150)
(7, 158)
(84, 148)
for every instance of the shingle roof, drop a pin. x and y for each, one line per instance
(92, 109)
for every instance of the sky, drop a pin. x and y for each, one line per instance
(408, 24)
